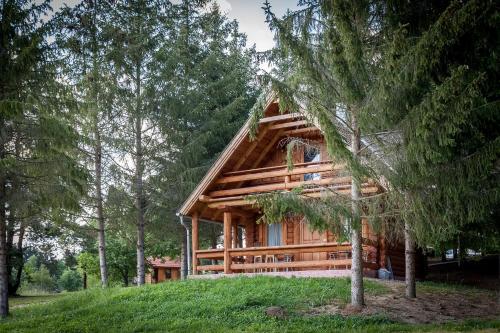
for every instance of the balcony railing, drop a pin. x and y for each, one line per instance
(281, 178)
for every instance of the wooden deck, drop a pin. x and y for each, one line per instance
(334, 273)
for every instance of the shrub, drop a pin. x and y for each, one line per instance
(70, 280)
(41, 280)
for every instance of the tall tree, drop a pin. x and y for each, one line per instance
(83, 53)
(136, 31)
(392, 73)
(208, 88)
(38, 173)
(438, 92)
(332, 45)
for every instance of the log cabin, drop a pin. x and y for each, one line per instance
(253, 166)
(163, 269)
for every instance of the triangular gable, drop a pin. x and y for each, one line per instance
(238, 153)
(210, 177)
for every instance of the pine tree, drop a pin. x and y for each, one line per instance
(39, 178)
(136, 32)
(83, 53)
(401, 74)
(208, 88)
(331, 46)
(438, 92)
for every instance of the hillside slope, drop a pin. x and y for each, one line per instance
(223, 305)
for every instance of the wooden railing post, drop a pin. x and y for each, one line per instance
(195, 241)
(236, 238)
(227, 242)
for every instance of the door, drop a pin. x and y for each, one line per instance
(307, 236)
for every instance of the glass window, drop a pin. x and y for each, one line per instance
(312, 155)
(274, 234)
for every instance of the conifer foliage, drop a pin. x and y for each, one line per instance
(405, 92)
(39, 175)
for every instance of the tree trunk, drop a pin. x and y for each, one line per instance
(409, 262)
(99, 203)
(139, 199)
(184, 258)
(84, 280)
(14, 287)
(125, 279)
(357, 290)
(9, 245)
(4, 279)
(98, 154)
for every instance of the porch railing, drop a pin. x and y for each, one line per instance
(242, 259)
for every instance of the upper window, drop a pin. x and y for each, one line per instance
(312, 155)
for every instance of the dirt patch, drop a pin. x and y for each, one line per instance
(433, 305)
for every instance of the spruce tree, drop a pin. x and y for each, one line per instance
(83, 55)
(39, 177)
(404, 71)
(331, 46)
(438, 93)
(136, 31)
(208, 88)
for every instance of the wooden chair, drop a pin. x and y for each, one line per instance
(288, 258)
(257, 260)
(271, 258)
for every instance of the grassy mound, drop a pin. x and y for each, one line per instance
(223, 305)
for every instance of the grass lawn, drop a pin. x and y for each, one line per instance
(20, 301)
(222, 305)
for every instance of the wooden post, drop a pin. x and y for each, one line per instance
(195, 241)
(227, 242)
(236, 238)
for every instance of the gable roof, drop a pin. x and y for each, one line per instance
(243, 136)
(216, 168)
(164, 262)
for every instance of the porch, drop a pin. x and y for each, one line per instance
(237, 256)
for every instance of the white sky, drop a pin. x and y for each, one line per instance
(248, 13)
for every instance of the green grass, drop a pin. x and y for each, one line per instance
(223, 305)
(19, 301)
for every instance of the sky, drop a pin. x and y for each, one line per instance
(248, 13)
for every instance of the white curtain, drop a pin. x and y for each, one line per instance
(274, 234)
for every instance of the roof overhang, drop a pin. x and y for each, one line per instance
(215, 169)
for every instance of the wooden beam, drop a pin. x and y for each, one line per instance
(238, 212)
(289, 124)
(240, 201)
(301, 130)
(290, 249)
(262, 132)
(227, 242)
(278, 186)
(210, 268)
(280, 173)
(281, 117)
(294, 264)
(210, 255)
(266, 149)
(274, 167)
(195, 240)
